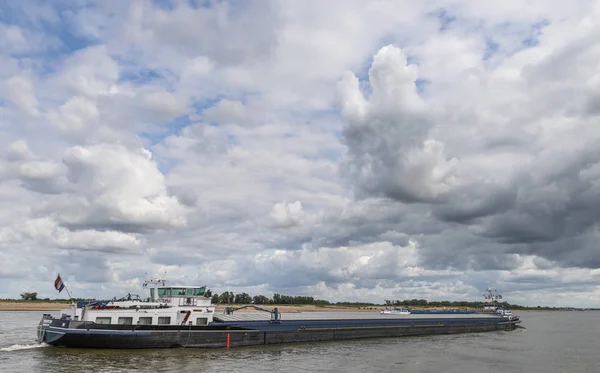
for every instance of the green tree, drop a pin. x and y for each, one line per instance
(242, 298)
(227, 298)
(29, 296)
(260, 299)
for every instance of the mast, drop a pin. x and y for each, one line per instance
(154, 282)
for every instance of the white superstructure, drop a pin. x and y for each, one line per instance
(167, 305)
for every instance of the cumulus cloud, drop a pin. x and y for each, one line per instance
(32, 171)
(162, 105)
(233, 112)
(47, 232)
(20, 91)
(389, 151)
(118, 188)
(78, 116)
(89, 72)
(287, 215)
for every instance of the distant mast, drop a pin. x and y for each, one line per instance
(491, 298)
(153, 283)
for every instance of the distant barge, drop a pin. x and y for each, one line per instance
(181, 316)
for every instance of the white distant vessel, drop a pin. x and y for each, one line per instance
(491, 305)
(396, 311)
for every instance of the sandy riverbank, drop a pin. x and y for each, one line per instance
(31, 306)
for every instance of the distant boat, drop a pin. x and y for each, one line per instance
(396, 311)
(491, 305)
(443, 312)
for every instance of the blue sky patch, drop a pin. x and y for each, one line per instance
(490, 49)
(172, 127)
(446, 19)
(422, 85)
(141, 76)
(536, 30)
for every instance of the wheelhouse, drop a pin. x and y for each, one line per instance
(181, 295)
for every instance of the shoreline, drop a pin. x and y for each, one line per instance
(7, 305)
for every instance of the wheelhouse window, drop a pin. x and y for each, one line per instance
(102, 320)
(164, 320)
(125, 320)
(199, 291)
(201, 321)
(152, 293)
(178, 291)
(145, 321)
(164, 292)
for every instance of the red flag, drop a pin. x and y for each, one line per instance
(59, 284)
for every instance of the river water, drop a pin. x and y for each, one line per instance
(552, 342)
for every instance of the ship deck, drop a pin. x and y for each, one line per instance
(293, 316)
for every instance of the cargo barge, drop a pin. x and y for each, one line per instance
(183, 316)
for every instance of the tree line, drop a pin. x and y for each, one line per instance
(229, 297)
(454, 304)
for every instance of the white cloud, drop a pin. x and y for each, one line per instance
(20, 91)
(78, 117)
(390, 153)
(286, 215)
(120, 188)
(233, 112)
(162, 106)
(36, 173)
(46, 232)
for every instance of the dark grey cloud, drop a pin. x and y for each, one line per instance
(476, 201)
(547, 209)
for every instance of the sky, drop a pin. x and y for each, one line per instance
(345, 150)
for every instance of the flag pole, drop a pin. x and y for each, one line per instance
(69, 294)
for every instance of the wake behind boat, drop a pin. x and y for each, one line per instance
(183, 316)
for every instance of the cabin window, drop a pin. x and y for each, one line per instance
(164, 320)
(190, 291)
(102, 320)
(178, 291)
(199, 291)
(201, 321)
(125, 320)
(145, 321)
(164, 292)
(152, 293)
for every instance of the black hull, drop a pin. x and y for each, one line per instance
(205, 338)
